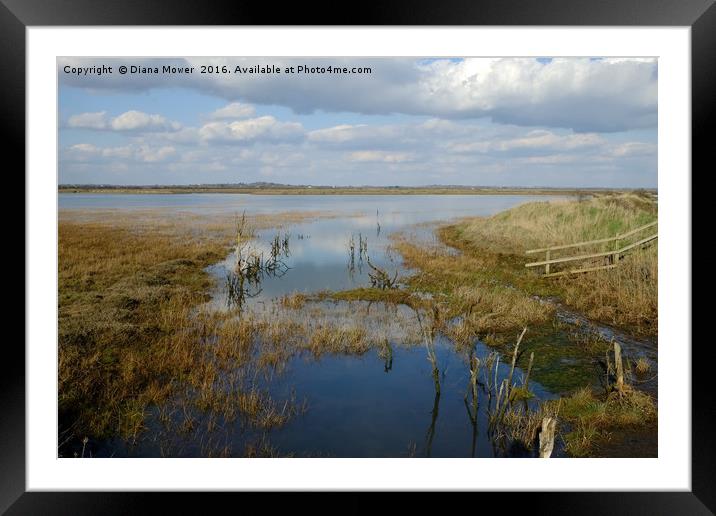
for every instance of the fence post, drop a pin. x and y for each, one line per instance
(546, 437)
(615, 256)
(546, 267)
(619, 367)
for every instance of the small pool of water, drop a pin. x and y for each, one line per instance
(363, 406)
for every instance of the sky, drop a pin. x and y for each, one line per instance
(553, 122)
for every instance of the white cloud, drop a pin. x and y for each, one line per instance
(583, 94)
(128, 121)
(577, 93)
(533, 141)
(631, 149)
(88, 120)
(233, 111)
(381, 156)
(426, 151)
(363, 136)
(185, 135)
(265, 129)
(337, 134)
(88, 151)
(152, 155)
(139, 121)
(143, 153)
(85, 147)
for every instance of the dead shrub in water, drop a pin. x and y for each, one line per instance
(379, 278)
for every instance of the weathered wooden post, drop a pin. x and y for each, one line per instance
(546, 266)
(546, 437)
(619, 367)
(615, 256)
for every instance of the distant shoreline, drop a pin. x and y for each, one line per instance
(348, 190)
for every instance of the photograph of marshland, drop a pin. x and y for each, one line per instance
(398, 258)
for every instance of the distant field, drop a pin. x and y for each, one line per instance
(320, 190)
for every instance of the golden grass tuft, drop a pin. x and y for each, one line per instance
(642, 365)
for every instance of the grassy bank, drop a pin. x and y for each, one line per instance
(594, 419)
(625, 297)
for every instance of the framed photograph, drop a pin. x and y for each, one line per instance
(433, 250)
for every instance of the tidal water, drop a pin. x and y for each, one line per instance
(356, 406)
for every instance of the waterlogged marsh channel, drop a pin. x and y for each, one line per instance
(372, 401)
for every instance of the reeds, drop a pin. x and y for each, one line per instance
(512, 421)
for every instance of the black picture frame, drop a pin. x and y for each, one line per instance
(17, 15)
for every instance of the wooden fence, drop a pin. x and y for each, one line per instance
(611, 257)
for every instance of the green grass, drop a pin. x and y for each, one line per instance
(397, 296)
(592, 419)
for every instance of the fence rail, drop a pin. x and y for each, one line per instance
(612, 256)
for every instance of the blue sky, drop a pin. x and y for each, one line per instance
(494, 122)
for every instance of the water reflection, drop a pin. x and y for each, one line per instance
(243, 282)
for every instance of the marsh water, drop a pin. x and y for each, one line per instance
(320, 257)
(355, 406)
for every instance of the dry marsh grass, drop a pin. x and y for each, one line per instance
(294, 301)
(133, 336)
(464, 285)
